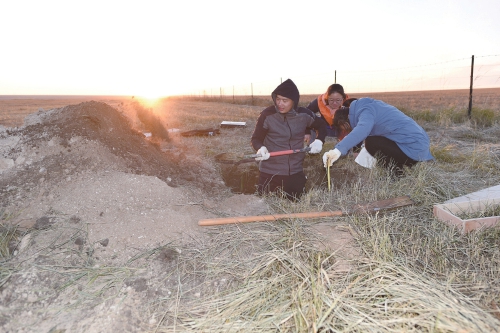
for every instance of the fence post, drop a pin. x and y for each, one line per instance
(469, 112)
(251, 89)
(335, 76)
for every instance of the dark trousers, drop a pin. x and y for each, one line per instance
(292, 186)
(388, 153)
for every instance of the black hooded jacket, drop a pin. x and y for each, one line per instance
(277, 132)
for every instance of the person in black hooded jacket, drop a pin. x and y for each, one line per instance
(282, 127)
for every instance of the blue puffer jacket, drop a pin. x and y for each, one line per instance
(371, 117)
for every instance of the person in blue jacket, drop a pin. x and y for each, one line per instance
(389, 135)
(281, 127)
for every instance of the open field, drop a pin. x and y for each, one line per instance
(435, 100)
(99, 226)
(13, 109)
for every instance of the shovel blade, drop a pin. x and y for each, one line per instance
(386, 204)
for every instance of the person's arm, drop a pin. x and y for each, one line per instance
(313, 106)
(259, 133)
(310, 113)
(363, 128)
(314, 123)
(319, 124)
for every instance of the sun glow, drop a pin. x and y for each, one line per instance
(150, 99)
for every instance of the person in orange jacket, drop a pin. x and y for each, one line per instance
(325, 106)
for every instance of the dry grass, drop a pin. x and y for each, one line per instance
(272, 277)
(488, 211)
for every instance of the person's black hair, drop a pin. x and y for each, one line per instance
(341, 119)
(347, 102)
(336, 88)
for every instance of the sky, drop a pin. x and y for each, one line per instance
(159, 48)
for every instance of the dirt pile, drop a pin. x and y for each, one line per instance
(63, 144)
(95, 195)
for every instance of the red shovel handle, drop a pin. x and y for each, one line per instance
(288, 152)
(282, 152)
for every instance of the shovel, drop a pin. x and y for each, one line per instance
(372, 207)
(226, 158)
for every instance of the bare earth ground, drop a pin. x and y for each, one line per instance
(97, 197)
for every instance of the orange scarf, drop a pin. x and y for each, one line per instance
(328, 114)
(325, 109)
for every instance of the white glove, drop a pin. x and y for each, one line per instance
(316, 147)
(365, 159)
(264, 154)
(331, 156)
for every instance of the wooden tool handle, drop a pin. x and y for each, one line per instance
(265, 218)
(371, 207)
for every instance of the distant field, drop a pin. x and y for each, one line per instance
(440, 99)
(13, 109)
(434, 100)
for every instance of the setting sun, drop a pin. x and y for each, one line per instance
(150, 99)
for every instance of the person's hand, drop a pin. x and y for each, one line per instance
(331, 156)
(316, 147)
(264, 154)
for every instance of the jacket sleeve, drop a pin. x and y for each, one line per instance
(316, 123)
(259, 133)
(363, 128)
(312, 115)
(320, 126)
(313, 106)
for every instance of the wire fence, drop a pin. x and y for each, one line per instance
(447, 75)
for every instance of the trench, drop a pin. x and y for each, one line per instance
(243, 178)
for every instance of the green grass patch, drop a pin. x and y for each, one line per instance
(448, 154)
(479, 117)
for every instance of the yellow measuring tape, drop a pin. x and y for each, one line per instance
(329, 184)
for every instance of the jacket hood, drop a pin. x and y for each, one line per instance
(287, 89)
